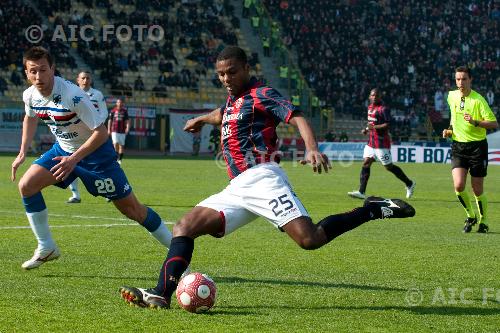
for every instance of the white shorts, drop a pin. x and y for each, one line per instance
(118, 138)
(262, 190)
(382, 154)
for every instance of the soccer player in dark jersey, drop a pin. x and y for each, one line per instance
(258, 187)
(379, 146)
(118, 127)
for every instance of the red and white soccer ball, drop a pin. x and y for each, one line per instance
(196, 292)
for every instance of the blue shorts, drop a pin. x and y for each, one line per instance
(100, 172)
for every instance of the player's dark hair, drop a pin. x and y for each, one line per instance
(36, 53)
(463, 69)
(233, 52)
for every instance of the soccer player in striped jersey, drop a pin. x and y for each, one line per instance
(84, 81)
(379, 146)
(258, 187)
(82, 149)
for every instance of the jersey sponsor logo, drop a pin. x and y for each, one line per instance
(64, 135)
(228, 117)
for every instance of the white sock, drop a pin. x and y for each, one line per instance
(74, 189)
(39, 222)
(163, 235)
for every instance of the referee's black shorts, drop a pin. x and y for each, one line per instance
(472, 156)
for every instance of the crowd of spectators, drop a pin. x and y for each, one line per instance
(15, 18)
(195, 27)
(408, 48)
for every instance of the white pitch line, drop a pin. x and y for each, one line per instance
(78, 226)
(72, 216)
(132, 223)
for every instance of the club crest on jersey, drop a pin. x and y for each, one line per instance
(238, 103)
(56, 99)
(76, 100)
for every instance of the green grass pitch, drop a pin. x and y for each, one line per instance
(413, 275)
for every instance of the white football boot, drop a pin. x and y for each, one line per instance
(356, 194)
(410, 189)
(40, 257)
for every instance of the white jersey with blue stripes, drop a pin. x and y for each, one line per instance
(67, 111)
(97, 99)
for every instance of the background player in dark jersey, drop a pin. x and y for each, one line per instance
(118, 127)
(379, 146)
(258, 187)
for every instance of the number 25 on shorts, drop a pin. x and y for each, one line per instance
(280, 204)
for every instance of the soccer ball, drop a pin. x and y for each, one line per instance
(196, 292)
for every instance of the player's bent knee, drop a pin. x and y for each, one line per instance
(185, 228)
(309, 244)
(25, 188)
(200, 221)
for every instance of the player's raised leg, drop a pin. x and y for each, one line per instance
(30, 186)
(311, 236)
(399, 173)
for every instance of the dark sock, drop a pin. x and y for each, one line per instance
(336, 225)
(120, 157)
(178, 259)
(401, 175)
(363, 179)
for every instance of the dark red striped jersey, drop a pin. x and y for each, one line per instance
(248, 131)
(378, 115)
(118, 119)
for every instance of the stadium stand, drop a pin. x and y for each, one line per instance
(15, 19)
(332, 52)
(344, 48)
(175, 69)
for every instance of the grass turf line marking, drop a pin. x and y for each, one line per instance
(77, 226)
(132, 223)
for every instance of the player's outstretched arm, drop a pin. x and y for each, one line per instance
(67, 163)
(29, 130)
(195, 125)
(318, 160)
